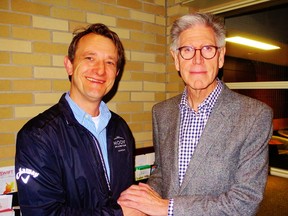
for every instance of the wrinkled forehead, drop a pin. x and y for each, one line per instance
(197, 35)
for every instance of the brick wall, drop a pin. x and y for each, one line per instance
(34, 37)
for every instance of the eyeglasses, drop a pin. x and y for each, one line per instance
(207, 52)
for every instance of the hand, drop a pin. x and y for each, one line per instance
(143, 198)
(131, 212)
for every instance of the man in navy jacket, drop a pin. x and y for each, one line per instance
(77, 157)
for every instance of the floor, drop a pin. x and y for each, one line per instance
(275, 202)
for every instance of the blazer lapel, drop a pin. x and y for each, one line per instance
(175, 150)
(172, 140)
(210, 138)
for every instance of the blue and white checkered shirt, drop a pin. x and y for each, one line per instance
(192, 124)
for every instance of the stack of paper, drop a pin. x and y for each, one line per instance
(6, 205)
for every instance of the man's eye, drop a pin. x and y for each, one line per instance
(207, 48)
(110, 62)
(89, 58)
(188, 49)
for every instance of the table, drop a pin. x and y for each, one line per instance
(273, 149)
(283, 132)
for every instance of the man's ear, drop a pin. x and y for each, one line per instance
(68, 65)
(221, 57)
(176, 60)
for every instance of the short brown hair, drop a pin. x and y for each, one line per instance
(103, 30)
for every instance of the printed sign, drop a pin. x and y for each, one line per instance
(7, 180)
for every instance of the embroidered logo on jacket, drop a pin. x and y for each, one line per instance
(25, 173)
(119, 144)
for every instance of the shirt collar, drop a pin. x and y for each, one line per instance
(208, 103)
(81, 115)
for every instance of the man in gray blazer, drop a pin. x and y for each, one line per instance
(211, 144)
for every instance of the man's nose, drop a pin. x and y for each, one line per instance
(99, 67)
(197, 59)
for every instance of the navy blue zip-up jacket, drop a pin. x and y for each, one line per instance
(59, 170)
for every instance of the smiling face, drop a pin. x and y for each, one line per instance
(93, 70)
(199, 74)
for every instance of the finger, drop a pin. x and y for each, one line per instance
(143, 185)
(149, 189)
(135, 195)
(131, 189)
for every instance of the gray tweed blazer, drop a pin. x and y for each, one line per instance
(228, 170)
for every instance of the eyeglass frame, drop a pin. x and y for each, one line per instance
(180, 48)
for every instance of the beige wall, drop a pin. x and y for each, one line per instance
(34, 37)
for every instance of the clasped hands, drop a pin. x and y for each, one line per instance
(140, 200)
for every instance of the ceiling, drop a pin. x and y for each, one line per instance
(221, 6)
(262, 20)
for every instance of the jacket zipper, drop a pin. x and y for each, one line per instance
(102, 162)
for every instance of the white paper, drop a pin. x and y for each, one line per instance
(7, 180)
(6, 202)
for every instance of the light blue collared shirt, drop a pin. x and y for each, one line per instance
(85, 119)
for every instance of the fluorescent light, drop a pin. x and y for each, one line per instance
(251, 43)
(233, 5)
(208, 6)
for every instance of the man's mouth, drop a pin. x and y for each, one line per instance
(94, 80)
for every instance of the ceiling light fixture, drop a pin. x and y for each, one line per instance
(251, 43)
